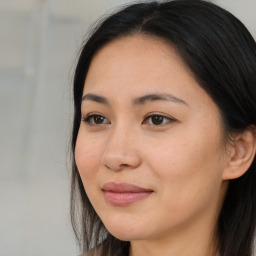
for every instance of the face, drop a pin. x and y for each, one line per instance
(149, 148)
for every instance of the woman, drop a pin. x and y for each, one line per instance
(164, 134)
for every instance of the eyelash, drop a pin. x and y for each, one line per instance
(88, 119)
(166, 118)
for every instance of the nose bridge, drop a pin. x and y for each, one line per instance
(121, 148)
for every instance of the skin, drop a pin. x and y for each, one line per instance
(181, 160)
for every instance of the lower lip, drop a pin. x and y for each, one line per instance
(122, 199)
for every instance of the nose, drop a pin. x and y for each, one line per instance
(121, 151)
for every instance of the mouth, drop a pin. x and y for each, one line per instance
(122, 194)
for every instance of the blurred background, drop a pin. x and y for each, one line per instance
(39, 42)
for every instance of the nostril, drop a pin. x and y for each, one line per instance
(107, 166)
(116, 158)
(117, 167)
(124, 165)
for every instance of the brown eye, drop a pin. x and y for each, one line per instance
(157, 120)
(95, 120)
(98, 119)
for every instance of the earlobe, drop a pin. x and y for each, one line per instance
(241, 155)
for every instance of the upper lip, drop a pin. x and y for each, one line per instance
(123, 188)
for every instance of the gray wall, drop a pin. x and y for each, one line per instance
(39, 41)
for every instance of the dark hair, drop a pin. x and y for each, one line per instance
(221, 54)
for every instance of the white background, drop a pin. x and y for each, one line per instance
(39, 41)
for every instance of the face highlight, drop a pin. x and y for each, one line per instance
(149, 146)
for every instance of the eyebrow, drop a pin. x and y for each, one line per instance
(137, 101)
(94, 97)
(157, 97)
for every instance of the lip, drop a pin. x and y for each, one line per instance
(122, 194)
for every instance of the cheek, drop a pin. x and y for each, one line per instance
(188, 165)
(87, 155)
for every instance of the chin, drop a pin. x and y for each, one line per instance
(127, 225)
(123, 236)
(125, 232)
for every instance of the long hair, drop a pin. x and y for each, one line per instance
(221, 54)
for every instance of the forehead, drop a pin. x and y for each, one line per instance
(137, 65)
(141, 53)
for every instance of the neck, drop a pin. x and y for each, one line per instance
(192, 247)
(195, 240)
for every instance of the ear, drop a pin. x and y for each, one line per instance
(241, 155)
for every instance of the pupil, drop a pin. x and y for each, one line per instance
(157, 120)
(98, 119)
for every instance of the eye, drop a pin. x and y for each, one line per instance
(157, 120)
(95, 119)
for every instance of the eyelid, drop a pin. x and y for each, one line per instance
(152, 114)
(87, 117)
